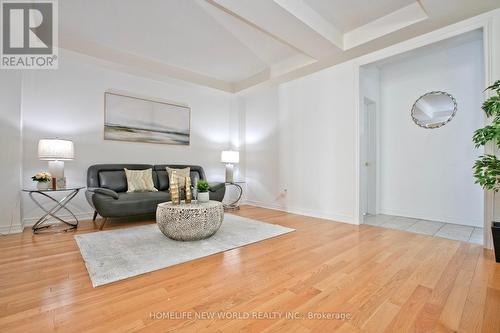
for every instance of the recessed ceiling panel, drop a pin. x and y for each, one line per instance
(175, 32)
(351, 14)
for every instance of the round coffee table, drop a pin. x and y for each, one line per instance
(188, 222)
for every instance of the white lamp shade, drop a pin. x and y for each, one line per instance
(230, 156)
(55, 149)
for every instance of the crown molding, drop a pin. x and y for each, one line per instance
(135, 64)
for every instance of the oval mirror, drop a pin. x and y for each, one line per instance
(434, 109)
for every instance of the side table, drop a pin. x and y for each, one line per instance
(40, 226)
(236, 203)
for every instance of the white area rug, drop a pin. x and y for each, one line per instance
(119, 254)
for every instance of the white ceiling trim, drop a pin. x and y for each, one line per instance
(218, 5)
(149, 67)
(315, 24)
(385, 25)
(225, 20)
(271, 18)
(300, 37)
(315, 21)
(290, 64)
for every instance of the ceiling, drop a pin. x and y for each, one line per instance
(348, 15)
(234, 44)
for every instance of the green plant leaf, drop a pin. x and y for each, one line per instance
(494, 86)
(487, 134)
(202, 186)
(491, 107)
(487, 168)
(487, 172)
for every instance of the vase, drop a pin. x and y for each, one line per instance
(203, 197)
(188, 190)
(42, 186)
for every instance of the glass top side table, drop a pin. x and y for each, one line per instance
(41, 226)
(235, 204)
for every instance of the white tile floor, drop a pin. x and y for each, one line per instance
(438, 229)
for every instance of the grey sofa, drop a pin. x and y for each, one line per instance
(107, 189)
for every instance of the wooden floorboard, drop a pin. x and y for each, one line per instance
(382, 280)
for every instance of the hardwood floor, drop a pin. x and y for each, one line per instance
(383, 280)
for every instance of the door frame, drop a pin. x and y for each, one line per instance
(365, 178)
(483, 22)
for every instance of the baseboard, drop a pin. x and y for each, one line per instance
(306, 212)
(14, 229)
(444, 219)
(30, 221)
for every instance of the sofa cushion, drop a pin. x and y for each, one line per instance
(196, 173)
(142, 196)
(130, 204)
(105, 191)
(140, 180)
(163, 184)
(181, 175)
(114, 180)
(195, 176)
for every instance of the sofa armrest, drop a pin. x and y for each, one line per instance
(104, 191)
(214, 187)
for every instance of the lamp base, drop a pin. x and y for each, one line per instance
(229, 173)
(56, 169)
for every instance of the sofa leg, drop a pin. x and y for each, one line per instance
(103, 223)
(95, 216)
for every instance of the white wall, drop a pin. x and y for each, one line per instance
(68, 103)
(300, 137)
(261, 106)
(317, 145)
(10, 147)
(424, 173)
(304, 129)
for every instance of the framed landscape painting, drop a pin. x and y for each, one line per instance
(136, 119)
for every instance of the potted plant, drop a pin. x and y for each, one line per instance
(202, 187)
(487, 167)
(42, 180)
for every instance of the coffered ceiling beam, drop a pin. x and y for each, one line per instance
(315, 21)
(271, 18)
(385, 25)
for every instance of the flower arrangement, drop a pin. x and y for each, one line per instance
(202, 186)
(42, 177)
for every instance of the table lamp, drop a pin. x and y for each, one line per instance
(230, 157)
(56, 151)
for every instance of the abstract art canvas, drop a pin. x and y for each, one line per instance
(129, 118)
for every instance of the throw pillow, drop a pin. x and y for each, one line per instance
(140, 180)
(181, 175)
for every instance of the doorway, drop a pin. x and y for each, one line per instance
(420, 179)
(369, 157)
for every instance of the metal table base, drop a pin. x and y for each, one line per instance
(41, 226)
(236, 203)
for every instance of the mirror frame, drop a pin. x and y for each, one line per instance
(416, 121)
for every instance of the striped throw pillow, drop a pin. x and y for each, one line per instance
(140, 180)
(181, 175)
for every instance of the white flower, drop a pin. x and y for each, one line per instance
(42, 176)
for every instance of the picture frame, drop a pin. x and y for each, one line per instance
(133, 118)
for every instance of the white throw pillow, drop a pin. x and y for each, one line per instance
(140, 180)
(181, 175)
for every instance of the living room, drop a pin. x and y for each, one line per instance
(288, 173)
